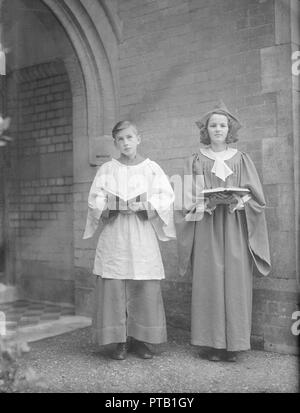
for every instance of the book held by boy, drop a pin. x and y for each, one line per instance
(118, 202)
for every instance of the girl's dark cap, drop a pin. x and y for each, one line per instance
(222, 109)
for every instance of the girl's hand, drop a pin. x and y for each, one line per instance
(215, 200)
(237, 203)
(219, 199)
(211, 202)
(224, 198)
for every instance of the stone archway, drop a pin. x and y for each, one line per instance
(94, 31)
(90, 57)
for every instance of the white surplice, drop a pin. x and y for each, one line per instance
(128, 246)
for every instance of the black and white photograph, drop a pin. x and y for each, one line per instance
(149, 199)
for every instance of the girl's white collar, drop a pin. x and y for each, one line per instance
(220, 168)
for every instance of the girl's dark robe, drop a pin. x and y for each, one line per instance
(222, 249)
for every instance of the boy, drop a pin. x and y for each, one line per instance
(133, 198)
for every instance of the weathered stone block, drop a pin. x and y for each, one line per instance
(283, 259)
(276, 68)
(283, 21)
(281, 339)
(284, 113)
(54, 290)
(84, 301)
(277, 165)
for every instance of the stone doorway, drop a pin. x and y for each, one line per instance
(37, 167)
(6, 273)
(74, 43)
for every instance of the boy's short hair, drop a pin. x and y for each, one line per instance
(123, 124)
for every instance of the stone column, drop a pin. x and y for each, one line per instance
(281, 177)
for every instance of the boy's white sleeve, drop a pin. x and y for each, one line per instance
(97, 199)
(161, 200)
(97, 202)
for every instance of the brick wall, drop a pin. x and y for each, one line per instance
(41, 191)
(177, 59)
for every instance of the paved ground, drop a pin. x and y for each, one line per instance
(71, 363)
(28, 321)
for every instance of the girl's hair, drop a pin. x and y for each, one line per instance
(232, 133)
(123, 124)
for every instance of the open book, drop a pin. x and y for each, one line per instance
(116, 202)
(226, 191)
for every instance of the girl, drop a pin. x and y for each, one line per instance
(132, 198)
(222, 237)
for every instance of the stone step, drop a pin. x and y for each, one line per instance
(45, 329)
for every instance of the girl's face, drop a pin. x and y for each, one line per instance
(218, 129)
(127, 141)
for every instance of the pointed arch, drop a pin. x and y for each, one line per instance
(94, 31)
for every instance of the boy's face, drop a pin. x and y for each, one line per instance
(127, 141)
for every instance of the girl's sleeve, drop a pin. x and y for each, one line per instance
(185, 229)
(97, 203)
(161, 199)
(255, 216)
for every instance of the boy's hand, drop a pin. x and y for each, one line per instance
(126, 211)
(136, 206)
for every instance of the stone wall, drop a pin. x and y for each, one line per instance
(177, 59)
(1, 183)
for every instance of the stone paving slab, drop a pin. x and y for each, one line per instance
(30, 321)
(41, 330)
